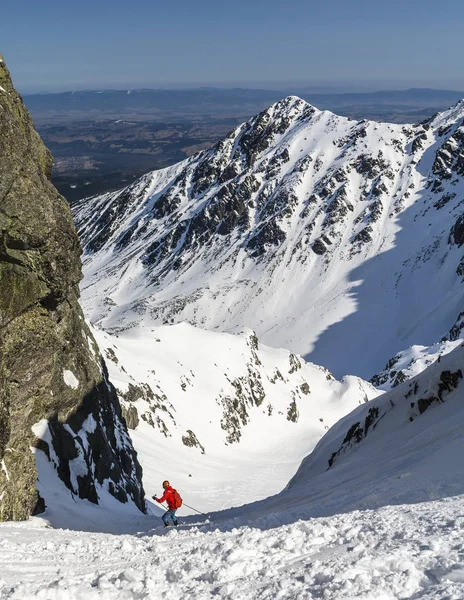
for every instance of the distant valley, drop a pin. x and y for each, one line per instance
(92, 157)
(103, 140)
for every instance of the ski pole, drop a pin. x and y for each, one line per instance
(188, 506)
(199, 512)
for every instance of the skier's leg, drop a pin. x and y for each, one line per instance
(172, 514)
(165, 518)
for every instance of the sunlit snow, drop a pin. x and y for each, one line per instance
(70, 379)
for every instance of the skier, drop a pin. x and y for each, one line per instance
(174, 501)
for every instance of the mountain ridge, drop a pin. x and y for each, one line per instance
(295, 196)
(150, 100)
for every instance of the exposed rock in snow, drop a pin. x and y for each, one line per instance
(196, 399)
(411, 362)
(455, 333)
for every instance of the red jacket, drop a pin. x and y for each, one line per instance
(168, 496)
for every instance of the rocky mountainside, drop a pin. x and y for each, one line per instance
(57, 407)
(420, 419)
(409, 363)
(319, 232)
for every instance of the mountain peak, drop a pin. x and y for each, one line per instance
(291, 104)
(449, 116)
(245, 232)
(290, 100)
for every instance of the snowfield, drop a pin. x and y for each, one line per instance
(394, 553)
(228, 417)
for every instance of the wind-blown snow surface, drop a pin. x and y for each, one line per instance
(303, 543)
(395, 553)
(337, 239)
(224, 418)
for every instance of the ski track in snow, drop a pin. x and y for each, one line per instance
(403, 552)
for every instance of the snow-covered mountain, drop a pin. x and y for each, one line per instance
(227, 418)
(321, 233)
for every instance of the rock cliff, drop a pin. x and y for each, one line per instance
(55, 398)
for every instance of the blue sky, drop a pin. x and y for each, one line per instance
(61, 45)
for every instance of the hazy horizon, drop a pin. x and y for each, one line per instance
(355, 46)
(334, 88)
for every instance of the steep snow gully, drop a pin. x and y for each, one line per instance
(384, 522)
(365, 220)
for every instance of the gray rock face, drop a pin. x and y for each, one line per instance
(455, 332)
(54, 392)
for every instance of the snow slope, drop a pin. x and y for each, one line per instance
(320, 233)
(384, 522)
(404, 446)
(411, 362)
(395, 553)
(221, 415)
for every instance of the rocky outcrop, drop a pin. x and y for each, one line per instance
(191, 440)
(455, 333)
(157, 410)
(405, 403)
(55, 397)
